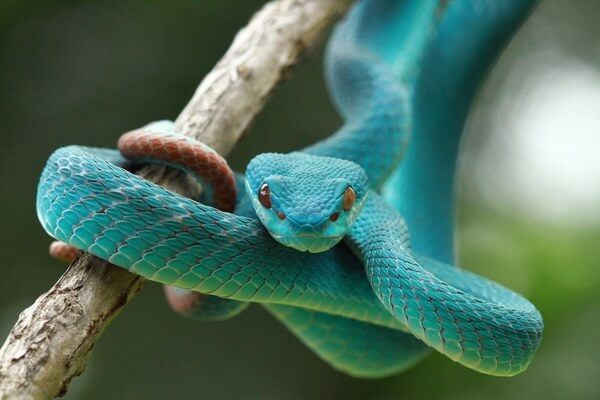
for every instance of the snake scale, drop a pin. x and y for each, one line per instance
(402, 74)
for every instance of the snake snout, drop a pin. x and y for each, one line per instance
(311, 223)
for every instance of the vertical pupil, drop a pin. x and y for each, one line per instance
(264, 196)
(349, 198)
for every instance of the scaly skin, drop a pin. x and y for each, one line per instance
(158, 144)
(63, 251)
(365, 324)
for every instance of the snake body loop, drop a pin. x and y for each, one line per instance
(374, 305)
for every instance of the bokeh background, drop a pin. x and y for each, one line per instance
(528, 194)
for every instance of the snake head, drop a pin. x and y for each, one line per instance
(306, 202)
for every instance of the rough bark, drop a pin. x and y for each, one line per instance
(52, 339)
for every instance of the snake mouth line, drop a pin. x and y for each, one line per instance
(302, 235)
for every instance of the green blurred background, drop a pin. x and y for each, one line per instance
(529, 200)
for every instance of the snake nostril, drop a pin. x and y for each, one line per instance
(334, 216)
(280, 215)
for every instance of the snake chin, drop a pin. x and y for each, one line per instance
(312, 244)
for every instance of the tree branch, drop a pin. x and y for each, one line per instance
(52, 339)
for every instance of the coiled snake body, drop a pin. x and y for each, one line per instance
(371, 313)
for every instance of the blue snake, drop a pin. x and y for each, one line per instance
(402, 74)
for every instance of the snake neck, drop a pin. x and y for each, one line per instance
(371, 61)
(376, 130)
(454, 65)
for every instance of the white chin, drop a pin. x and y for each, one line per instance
(312, 245)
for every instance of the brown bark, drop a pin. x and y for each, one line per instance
(52, 339)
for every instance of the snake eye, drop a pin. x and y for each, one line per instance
(264, 195)
(349, 198)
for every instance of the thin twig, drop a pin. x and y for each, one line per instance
(52, 339)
